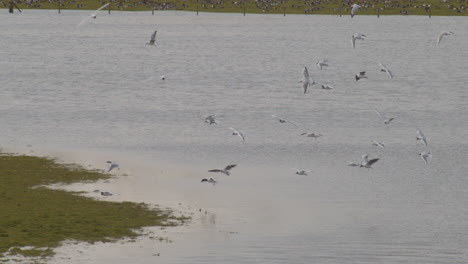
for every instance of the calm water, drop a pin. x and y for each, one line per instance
(97, 89)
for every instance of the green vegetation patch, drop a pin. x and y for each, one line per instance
(35, 219)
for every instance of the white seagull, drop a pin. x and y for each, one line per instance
(378, 144)
(354, 8)
(282, 120)
(420, 136)
(425, 156)
(322, 63)
(301, 172)
(112, 166)
(239, 133)
(307, 80)
(386, 120)
(225, 170)
(360, 75)
(210, 180)
(326, 87)
(445, 33)
(311, 135)
(153, 38)
(361, 36)
(93, 15)
(367, 163)
(386, 70)
(210, 120)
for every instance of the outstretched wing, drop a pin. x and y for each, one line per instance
(229, 167)
(153, 36)
(364, 159)
(372, 161)
(216, 170)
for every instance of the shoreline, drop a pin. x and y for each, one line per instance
(146, 233)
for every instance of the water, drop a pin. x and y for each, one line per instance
(95, 92)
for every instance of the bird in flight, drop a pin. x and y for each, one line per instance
(322, 63)
(360, 36)
(386, 120)
(386, 70)
(210, 180)
(153, 39)
(360, 75)
(354, 8)
(225, 170)
(425, 156)
(239, 133)
(307, 80)
(112, 166)
(301, 172)
(210, 120)
(378, 144)
(420, 136)
(445, 33)
(282, 120)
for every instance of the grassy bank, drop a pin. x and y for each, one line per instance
(334, 7)
(41, 218)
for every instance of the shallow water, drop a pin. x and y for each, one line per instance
(97, 89)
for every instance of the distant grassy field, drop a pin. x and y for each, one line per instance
(335, 7)
(41, 218)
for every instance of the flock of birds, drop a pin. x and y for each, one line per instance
(307, 81)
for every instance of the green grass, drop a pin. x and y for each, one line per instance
(42, 218)
(334, 7)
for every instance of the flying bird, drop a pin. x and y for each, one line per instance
(420, 136)
(445, 33)
(378, 144)
(322, 63)
(225, 170)
(112, 166)
(210, 180)
(386, 120)
(361, 36)
(425, 156)
(153, 38)
(239, 133)
(210, 120)
(367, 163)
(386, 70)
(106, 194)
(301, 172)
(311, 135)
(163, 77)
(93, 15)
(360, 75)
(354, 8)
(282, 120)
(307, 80)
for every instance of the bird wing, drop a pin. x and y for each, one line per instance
(216, 170)
(379, 113)
(153, 36)
(370, 162)
(362, 73)
(364, 159)
(104, 6)
(229, 167)
(291, 123)
(241, 134)
(440, 38)
(353, 40)
(306, 74)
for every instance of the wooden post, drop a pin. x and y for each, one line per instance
(152, 12)
(284, 11)
(244, 10)
(59, 6)
(340, 11)
(197, 10)
(109, 8)
(11, 8)
(430, 13)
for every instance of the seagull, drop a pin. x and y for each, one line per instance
(322, 63)
(357, 36)
(386, 70)
(425, 156)
(93, 15)
(307, 80)
(378, 144)
(326, 87)
(210, 180)
(360, 75)
(420, 136)
(282, 120)
(153, 38)
(311, 135)
(163, 77)
(445, 33)
(225, 171)
(106, 194)
(367, 163)
(301, 172)
(211, 120)
(386, 120)
(239, 133)
(112, 165)
(354, 8)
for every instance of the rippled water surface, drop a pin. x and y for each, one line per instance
(97, 88)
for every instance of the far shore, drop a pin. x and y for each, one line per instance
(314, 7)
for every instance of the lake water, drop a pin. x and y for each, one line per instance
(95, 91)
